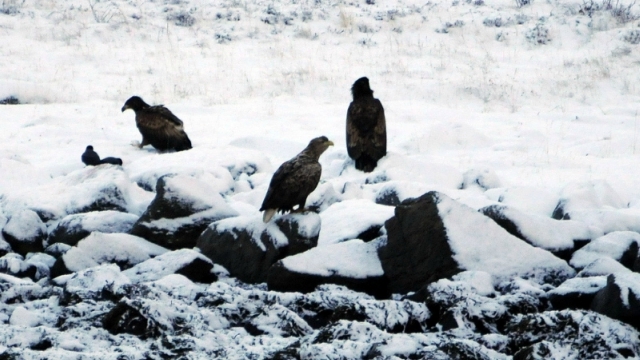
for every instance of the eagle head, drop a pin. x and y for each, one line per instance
(135, 103)
(361, 88)
(318, 145)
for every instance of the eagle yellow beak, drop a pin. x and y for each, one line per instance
(125, 108)
(329, 143)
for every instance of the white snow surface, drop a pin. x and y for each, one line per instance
(99, 248)
(545, 117)
(478, 243)
(612, 245)
(352, 259)
(347, 219)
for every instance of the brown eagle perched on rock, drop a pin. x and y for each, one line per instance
(366, 129)
(295, 180)
(158, 126)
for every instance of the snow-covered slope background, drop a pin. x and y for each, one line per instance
(532, 105)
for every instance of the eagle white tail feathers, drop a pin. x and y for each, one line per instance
(268, 214)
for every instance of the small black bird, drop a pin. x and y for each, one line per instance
(366, 127)
(112, 161)
(90, 157)
(158, 126)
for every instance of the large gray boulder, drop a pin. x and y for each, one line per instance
(182, 208)
(434, 236)
(247, 247)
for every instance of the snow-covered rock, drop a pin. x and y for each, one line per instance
(559, 237)
(353, 219)
(187, 262)
(433, 237)
(25, 232)
(576, 293)
(94, 188)
(92, 283)
(528, 199)
(247, 247)
(302, 231)
(183, 207)
(571, 334)
(589, 195)
(484, 179)
(96, 249)
(73, 228)
(610, 220)
(353, 263)
(621, 246)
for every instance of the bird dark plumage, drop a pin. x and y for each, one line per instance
(366, 127)
(158, 126)
(112, 161)
(295, 179)
(90, 157)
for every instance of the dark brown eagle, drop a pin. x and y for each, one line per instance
(295, 180)
(158, 126)
(366, 129)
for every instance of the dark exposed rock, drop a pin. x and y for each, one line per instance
(11, 100)
(630, 255)
(620, 298)
(74, 228)
(25, 232)
(175, 218)
(417, 251)
(247, 247)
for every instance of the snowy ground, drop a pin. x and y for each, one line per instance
(541, 99)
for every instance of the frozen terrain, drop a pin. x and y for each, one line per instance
(528, 104)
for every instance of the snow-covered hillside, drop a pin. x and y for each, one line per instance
(526, 111)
